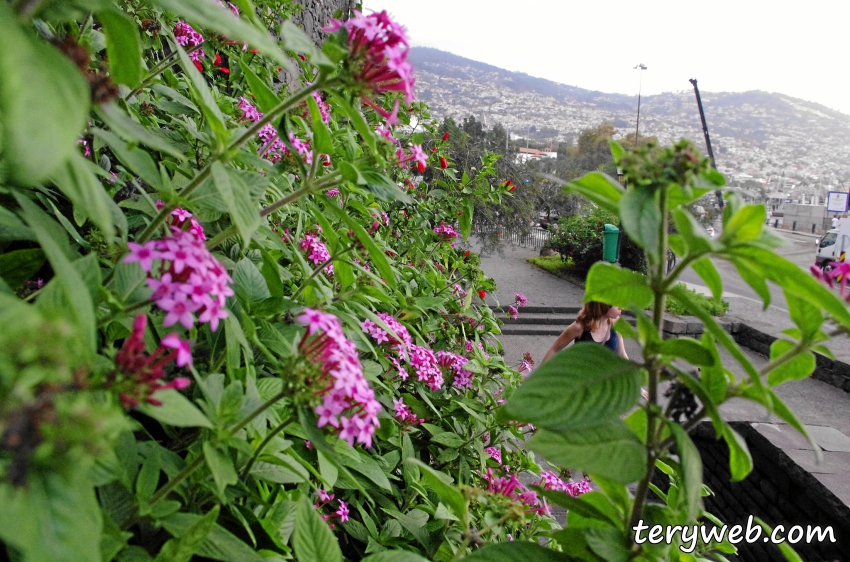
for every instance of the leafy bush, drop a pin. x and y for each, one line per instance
(579, 237)
(715, 307)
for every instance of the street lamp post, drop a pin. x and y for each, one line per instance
(642, 67)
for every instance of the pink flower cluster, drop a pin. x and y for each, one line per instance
(324, 499)
(324, 108)
(422, 359)
(839, 271)
(404, 414)
(550, 481)
(416, 155)
(379, 49)
(138, 376)
(273, 149)
(188, 37)
(187, 279)
(513, 313)
(348, 403)
(521, 299)
(453, 365)
(318, 252)
(459, 291)
(446, 232)
(495, 453)
(512, 488)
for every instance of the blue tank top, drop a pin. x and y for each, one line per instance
(610, 343)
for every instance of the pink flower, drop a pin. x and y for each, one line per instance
(521, 299)
(378, 50)
(187, 280)
(404, 414)
(317, 251)
(495, 453)
(453, 366)
(188, 37)
(137, 376)
(272, 148)
(342, 511)
(513, 313)
(348, 403)
(446, 232)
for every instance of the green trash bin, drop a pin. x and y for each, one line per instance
(610, 243)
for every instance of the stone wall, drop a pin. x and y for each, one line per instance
(777, 490)
(316, 15)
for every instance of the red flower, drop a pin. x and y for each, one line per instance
(433, 149)
(465, 254)
(254, 51)
(217, 61)
(443, 163)
(198, 65)
(225, 70)
(445, 136)
(482, 294)
(420, 166)
(511, 188)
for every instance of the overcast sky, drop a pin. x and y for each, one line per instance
(800, 48)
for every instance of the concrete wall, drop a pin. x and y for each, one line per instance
(315, 15)
(805, 216)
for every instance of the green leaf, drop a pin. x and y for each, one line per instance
(237, 198)
(704, 267)
(681, 294)
(213, 16)
(367, 466)
(203, 94)
(136, 159)
(383, 187)
(597, 187)
(436, 481)
(806, 316)
(312, 540)
(382, 264)
(130, 131)
(740, 461)
(616, 286)
(611, 450)
(264, 96)
(517, 551)
(76, 295)
(293, 473)
(448, 439)
(176, 410)
(754, 279)
(44, 103)
(467, 210)
(296, 40)
(76, 179)
(585, 385)
(248, 283)
(221, 467)
(610, 544)
(799, 367)
(641, 218)
(617, 150)
(220, 544)
(52, 518)
(691, 464)
(356, 119)
(327, 469)
(395, 556)
(123, 47)
(182, 549)
(576, 505)
(321, 134)
(744, 225)
(689, 349)
(19, 265)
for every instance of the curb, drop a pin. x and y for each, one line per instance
(831, 371)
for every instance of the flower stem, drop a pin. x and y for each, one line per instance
(266, 441)
(159, 68)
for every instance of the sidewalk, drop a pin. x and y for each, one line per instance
(820, 406)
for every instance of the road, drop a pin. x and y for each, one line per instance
(799, 248)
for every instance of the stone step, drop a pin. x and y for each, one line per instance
(532, 330)
(539, 319)
(541, 309)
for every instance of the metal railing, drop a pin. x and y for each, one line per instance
(535, 238)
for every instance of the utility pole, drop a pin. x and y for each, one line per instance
(717, 193)
(642, 67)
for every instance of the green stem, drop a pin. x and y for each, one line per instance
(169, 60)
(319, 270)
(137, 306)
(256, 455)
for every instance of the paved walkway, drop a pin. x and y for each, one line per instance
(825, 409)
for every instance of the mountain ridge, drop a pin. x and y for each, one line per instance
(756, 133)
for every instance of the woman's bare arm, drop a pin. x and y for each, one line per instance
(572, 332)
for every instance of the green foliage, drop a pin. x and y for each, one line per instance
(134, 426)
(712, 305)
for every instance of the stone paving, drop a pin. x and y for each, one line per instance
(823, 408)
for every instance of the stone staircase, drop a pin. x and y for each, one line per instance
(538, 320)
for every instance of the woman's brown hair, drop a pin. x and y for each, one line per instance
(591, 314)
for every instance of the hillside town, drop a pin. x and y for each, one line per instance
(781, 147)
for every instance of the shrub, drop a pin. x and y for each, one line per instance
(715, 307)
